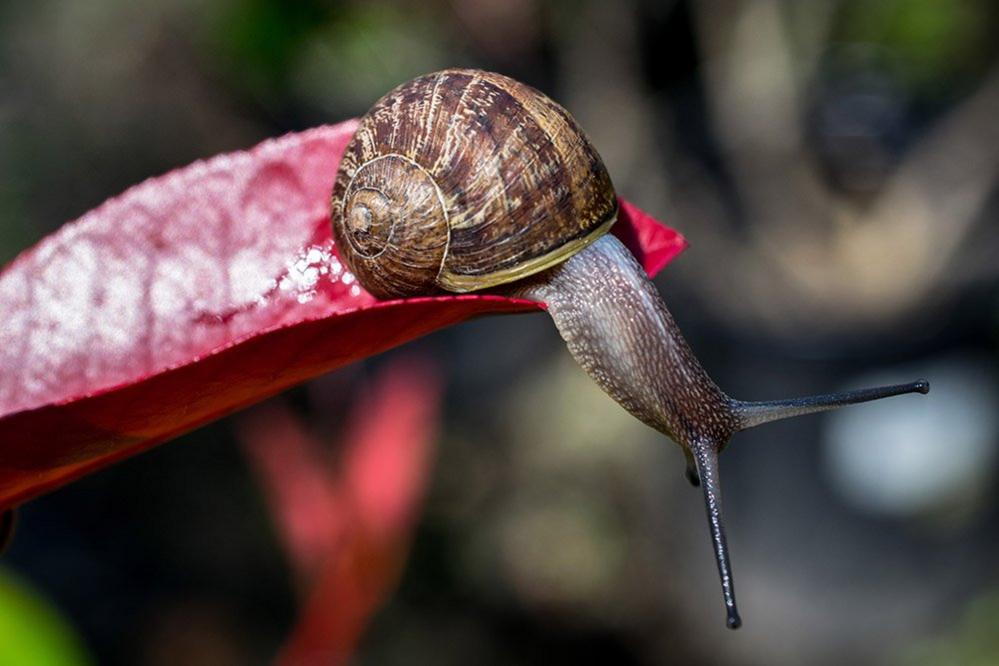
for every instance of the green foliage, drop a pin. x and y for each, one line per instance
(368, 50)
(973, 642)
(929, 40)
(261, 38)
(338, 59)
(14, 233)
(32, 633)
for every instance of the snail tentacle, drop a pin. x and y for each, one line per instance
(690, 472)
(752, 414)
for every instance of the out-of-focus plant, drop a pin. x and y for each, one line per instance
(32, 632)
(345, 516)
(838, 257)
(973, 641)
(808, 190)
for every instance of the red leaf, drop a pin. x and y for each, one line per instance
(195, 294)
(347, 526)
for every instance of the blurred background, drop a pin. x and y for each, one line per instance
(834, 164)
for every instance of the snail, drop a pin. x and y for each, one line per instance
(464, 180)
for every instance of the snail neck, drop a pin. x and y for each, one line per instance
(617, 327)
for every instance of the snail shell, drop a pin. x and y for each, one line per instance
(462, 180)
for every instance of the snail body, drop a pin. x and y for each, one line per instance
(464, 180)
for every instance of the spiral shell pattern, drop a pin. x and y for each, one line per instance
(462, 180)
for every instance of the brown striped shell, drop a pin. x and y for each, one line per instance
(462, 180)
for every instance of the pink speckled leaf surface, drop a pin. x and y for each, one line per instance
(194, 294)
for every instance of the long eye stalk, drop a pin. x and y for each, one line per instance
(757, 413)
(617, 327)
(707, 471)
